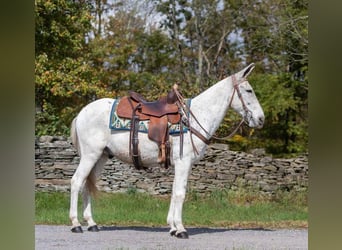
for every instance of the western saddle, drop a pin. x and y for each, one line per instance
(159, 114)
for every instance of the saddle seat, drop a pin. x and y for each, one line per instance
(163, 106)
(159, 113)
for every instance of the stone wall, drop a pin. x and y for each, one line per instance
(56, 161)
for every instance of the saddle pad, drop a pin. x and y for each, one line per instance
(117, 123)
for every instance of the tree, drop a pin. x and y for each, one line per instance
(95, 48)
(64, 77)
(202, 32)
(131, 53)
(216, 38)
(275, 35)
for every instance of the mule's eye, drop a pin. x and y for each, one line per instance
(249, 90)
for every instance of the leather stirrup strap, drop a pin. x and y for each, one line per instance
(134, 140)
(168, 152)
(181, 139)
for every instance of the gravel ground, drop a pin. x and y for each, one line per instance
(60, 237)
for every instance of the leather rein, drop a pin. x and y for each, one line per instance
(186, 113)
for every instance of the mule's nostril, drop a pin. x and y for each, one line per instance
(261, 121)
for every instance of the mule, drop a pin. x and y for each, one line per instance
(96, 142)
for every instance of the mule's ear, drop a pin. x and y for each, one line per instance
(246, 71)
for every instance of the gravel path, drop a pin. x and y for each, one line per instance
(60, 237)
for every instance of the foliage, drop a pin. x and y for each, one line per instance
(283, 107)
(91, 49)
(274, 35)
(65, 78)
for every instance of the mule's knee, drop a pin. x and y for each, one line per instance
(179, 198)
(75, 183)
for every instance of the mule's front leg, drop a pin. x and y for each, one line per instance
(174, 218)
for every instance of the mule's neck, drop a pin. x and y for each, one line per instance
(210, 107)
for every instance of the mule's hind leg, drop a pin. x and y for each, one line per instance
(87, 215)
(78, 181)
(90, 188)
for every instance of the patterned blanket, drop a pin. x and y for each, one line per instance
(117, 123)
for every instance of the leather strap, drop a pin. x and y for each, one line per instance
(187, 110)
(134, 146)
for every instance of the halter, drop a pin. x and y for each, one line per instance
(187, 112)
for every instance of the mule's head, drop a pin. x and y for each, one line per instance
(244, 100)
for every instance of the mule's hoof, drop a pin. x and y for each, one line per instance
(173, 233)
(77, 229)
(182, 235)
(93, 228)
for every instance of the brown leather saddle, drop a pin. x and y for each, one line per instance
(159, 114)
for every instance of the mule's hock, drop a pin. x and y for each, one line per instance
(56, 160)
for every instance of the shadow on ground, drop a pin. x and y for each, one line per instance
(191, 231)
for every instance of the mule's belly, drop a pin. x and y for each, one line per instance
(119, 148)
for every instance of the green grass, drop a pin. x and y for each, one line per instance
(241, 208)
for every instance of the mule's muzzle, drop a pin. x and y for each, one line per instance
(260, 122)
(255, 122)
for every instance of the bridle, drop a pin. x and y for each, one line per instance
(187, 113)
(248, 112)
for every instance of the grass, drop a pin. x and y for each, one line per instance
(233, 209)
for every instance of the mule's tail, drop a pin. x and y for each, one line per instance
(73, 135)
(90, 183)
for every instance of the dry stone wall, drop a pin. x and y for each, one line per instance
(56, 161)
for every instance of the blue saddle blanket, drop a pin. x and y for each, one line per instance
(117, 123)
